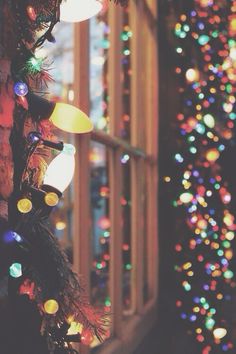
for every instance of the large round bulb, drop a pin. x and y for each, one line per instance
(79, 10)
(61, 170)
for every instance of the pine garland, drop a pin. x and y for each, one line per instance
(46, 270)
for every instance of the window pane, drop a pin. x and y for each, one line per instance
(100, 227)
(99, 49)
(61, 223)
(126, 232)
(60, 57)
(125, 37)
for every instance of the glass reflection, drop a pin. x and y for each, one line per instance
(60, 57)
(100, 225)
(125, 37)
(126, 232)
(99, 50)
(61, 220)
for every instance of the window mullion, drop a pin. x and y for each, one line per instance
(81, 211)
(114, 69)
(136, 237)
(136, 71)
(116, 241)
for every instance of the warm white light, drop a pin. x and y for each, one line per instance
(79, 10)
(192, 75)
(61, 170)
(232, 53)
(219, 333)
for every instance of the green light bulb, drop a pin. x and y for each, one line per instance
(15, 270)
(203, 39)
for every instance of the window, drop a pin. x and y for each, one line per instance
(100, 225)
(60, 56)
(113, 205)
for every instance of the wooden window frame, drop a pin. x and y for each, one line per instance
(129, 332)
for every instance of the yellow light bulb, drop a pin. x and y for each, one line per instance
(51, 199)
(24, 205)
(51, 307)
(70, 119)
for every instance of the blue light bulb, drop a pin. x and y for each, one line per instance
(21, 89)
(11, 236)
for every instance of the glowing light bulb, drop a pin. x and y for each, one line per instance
(232, 25)
(192, 75)
(24, 205)
(232, 53)
(206, 3)
(51, 199)
(219, 332)
(70, 119)
(209, 120)
(31, 13)
(212, 155)
(210, 322)
(15, 270)
(61, 170)
(79, 10)
(51, 307)
(203, 39)
(186, 197)
(11, 236)
(21, 89)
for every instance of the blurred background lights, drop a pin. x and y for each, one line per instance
(179, 158)
(212, 155)
(186, 197)
(203, 39)
(219, 332)
(60, 225)
(192, 75)
(206, 3)
(209, 120)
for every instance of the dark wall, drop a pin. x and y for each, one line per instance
(172, 336)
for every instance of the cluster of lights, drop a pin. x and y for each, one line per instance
(55, 179)
(206, 127)
(126, 36)
(99, 87)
